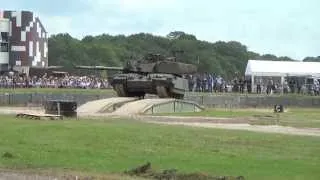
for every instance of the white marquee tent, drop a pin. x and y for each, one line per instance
(282, 68)
(260, 68)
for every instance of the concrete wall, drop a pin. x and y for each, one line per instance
(255, 101)
(226, 101)
(39, 98)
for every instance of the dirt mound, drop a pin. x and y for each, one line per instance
(137, 107)
(146, 171)
(98, 106)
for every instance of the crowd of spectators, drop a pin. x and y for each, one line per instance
(84, 82)
(214, 83)
(206, 82)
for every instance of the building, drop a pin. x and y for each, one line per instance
(24, 41)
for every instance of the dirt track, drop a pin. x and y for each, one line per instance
(22, 176)
(207, 122)
(248, 127)
(229, 123)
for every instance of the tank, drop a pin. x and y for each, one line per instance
(153, 74)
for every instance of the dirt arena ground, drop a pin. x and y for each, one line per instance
(6, 175)
(205, 122)
(30, 175)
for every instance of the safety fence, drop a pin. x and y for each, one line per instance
(227, 101)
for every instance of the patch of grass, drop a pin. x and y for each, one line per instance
(115, 145)
(55, 91)
(295, 117)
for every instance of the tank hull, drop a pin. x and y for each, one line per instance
(162, 85)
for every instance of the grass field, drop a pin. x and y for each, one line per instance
(295, 117)
(114, 145)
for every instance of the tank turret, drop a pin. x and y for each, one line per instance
(156, 63)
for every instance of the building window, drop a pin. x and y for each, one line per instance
(4, 47)
(4, 37)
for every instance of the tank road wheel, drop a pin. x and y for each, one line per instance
(177, 96)
(162, 92)
(120, 90)
(140, 95)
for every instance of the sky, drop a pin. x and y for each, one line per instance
(281, 27)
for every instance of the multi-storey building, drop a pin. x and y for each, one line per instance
(24, 41)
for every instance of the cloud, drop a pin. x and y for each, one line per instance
(288, 27)
(57, 24)
(48, 7)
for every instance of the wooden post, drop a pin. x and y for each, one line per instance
(59, 110)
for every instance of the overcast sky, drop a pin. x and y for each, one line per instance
(280, 27)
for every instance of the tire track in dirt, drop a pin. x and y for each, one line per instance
(229, 123)
(204, 122)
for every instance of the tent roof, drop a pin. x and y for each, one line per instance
(282, 68)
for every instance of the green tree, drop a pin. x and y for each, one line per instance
(224, 58)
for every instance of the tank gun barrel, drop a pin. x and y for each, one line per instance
(114, 68)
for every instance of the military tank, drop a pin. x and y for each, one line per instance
(153, 74)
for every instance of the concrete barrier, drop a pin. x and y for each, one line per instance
(154, 106)
(104, 105)
(210, 101)
(227, 101)
(19, 99)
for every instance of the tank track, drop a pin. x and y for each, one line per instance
(161, 91)
(122, 92)
(119, 88)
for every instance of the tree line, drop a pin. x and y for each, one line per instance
(223, 58)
